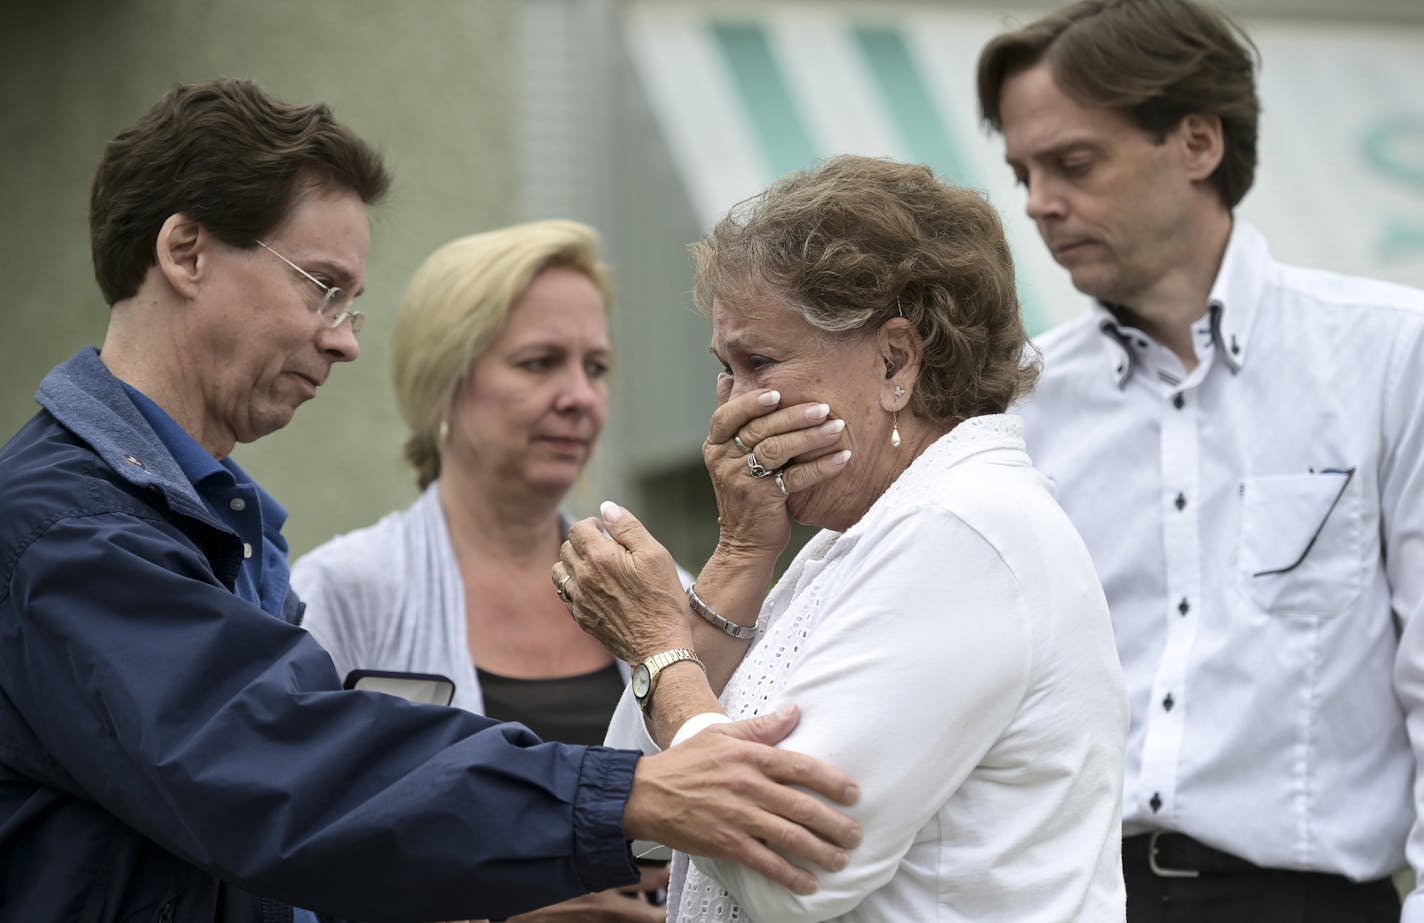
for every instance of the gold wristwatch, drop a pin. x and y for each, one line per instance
(645, 674)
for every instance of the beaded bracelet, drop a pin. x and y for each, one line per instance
(727, 626)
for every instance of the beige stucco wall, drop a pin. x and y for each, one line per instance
(429, 82)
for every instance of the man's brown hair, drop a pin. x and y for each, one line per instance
(1155, 61)
(225, 154)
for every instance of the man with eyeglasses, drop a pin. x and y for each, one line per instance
(173, 747)
(1241, 444)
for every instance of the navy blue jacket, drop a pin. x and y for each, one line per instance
(169, 752)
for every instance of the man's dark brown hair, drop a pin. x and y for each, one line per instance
(1155, 61)
(226, 154)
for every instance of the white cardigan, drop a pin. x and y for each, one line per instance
(952, 652)
(390, 597)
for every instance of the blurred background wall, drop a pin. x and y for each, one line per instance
(433, 84)
(648, 119)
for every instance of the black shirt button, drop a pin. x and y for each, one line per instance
(1183, 606)
(1179, 401)
(1168, 702)
(1156, 803)
(1181, 501)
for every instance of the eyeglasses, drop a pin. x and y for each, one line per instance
(330, 308)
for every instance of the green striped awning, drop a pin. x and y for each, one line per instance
(745, 93)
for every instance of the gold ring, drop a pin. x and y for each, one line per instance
(559, 590)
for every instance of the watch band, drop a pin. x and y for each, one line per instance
(655, 665)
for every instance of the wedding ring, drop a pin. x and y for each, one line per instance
(737, 438)
(757, 469)
(562, 593)
(781, 483)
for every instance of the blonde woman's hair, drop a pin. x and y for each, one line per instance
(457, 303)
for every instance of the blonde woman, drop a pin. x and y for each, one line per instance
(501, 360)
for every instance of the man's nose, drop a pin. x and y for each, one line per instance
(340, 342)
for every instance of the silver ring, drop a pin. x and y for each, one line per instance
(737, 438)
(781, 483)
(562, 593)
(757, 469)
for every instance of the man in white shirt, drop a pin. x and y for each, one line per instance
(1241, 444)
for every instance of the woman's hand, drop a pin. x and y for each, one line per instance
(622, 587)
(751, 434)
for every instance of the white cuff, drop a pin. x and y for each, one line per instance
(697, 724)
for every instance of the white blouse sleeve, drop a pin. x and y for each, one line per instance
(906, 682)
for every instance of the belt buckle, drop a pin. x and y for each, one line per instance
(1162, 871)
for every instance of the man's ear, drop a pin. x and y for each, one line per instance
(1202, 144)
(903, 353)
(182, 253)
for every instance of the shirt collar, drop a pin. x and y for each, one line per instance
(1230, 314)
(996, 432)
(194, 461)
(1117, 345)
(1238, 290)
(274, 514)
(200, 468)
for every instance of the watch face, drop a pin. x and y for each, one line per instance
(642, 679)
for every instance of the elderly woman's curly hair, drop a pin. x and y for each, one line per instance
(859, 240)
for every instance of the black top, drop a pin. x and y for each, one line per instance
(569, 709)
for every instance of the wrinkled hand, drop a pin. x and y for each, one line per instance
(727, 793)
(624, 590)
(802, 440)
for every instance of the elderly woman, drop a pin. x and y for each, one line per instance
(945, 635)
(501, 357)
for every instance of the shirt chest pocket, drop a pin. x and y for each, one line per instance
(1301, 542)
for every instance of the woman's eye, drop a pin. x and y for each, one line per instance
(757, 363)
(537, 364)
(596, 369)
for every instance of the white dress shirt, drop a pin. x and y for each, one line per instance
(1258, 524)
(953, 653)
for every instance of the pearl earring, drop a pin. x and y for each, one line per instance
(895, 425)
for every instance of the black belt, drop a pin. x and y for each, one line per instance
(1176, 855)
